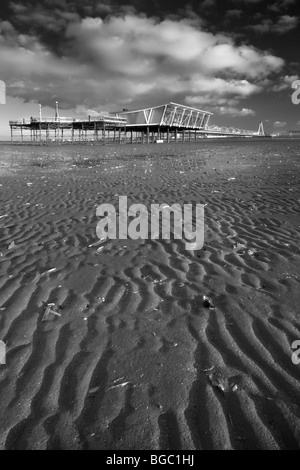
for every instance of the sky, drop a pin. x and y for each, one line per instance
(235, 58)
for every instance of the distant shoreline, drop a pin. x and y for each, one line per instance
(91, 143)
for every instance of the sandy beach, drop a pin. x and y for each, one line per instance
(134, 356)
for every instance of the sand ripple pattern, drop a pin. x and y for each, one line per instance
(135, 360)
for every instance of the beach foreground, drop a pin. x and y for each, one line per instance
(134, 357)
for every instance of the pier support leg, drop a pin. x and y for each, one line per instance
(147, 135)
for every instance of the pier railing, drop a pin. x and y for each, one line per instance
(70, 120)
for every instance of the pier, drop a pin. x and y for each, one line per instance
(170, 122)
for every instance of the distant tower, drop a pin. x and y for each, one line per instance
(261, 130)
(40, 106)
(56, 111)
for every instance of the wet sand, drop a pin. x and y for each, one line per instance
(134, 358)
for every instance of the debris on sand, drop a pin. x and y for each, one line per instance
(223, 383)
(218, 381)
(252, 252)
(207, 303)
(239, 248)
(49, 312)
(99, 242)
(11, 246)
(52, 270)
(243, 250)
(119, 385)
(209, 369)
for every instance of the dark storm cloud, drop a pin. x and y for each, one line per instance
(235, 13)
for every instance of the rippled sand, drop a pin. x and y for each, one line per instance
(136, 360)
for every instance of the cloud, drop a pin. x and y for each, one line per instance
(275, 17)
(236, 112)
(223, 97)
(279, 5)
(137, 44)
(248, 2)
(43, 20)
(223, 103)
(296, 83)
(285, 83)
(276, 5)
(282, 25)
(279, 124)
(220, 87)
(234, 14)
(207, 4)
(129, 59)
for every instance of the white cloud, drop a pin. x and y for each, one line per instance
(236, 111)
(279, 124)
(284, 24)
(133, 59)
